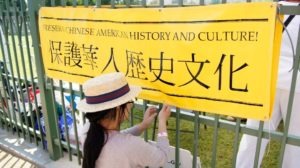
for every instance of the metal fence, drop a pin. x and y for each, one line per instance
(41, 109)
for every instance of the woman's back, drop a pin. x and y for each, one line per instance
(128, 151)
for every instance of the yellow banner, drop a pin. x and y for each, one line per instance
(219, 58)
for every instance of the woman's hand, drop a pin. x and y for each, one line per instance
(149, 116)
(164, 113)
(163, 116)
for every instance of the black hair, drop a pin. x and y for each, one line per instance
(97, 134)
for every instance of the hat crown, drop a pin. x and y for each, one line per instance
(106, 91)
(103, 84)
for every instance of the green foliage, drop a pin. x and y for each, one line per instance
(1, 5)
(12, 3)
(77, 2)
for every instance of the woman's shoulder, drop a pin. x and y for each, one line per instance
(125, 142)
(124, 138)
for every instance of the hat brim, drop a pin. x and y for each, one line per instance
(89, 108)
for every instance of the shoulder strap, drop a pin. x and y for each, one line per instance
(288, 21)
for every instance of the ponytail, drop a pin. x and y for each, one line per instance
(93, 145)
(97, 135)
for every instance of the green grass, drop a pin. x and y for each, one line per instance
(225, 143)
(16, 56)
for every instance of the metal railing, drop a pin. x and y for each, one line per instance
(23, 76)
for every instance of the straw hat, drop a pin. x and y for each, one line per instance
(106, 91)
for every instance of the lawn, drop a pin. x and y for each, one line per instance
(224, 146)
(16, 56)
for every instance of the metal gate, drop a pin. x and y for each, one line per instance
(32, 105)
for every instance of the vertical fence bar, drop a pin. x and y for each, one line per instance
(131, 118)
(291, 100)
(54, 104)
(4, 74)
(258, 144)
(177, 152)
(19, 34)
(196, 138)
(112, 3)
(161, 3)
(45, 94)
(81, 97)
(98, 3)
(145, 102)
(75, 123)
(52, 3)
(86, 3)
(74, 3)
(18, 85)
(201, 2)
(8, 113)
(215, 141)
(7, 89)
(8, 109)
(63, 3)
(14, 94)
(20, 110)
(155, 122)
(144, 3)
(43, 2)
(127, 3)
(180, 3)
(236, 140)
(33, 86)
(61, 89)
(2, 113)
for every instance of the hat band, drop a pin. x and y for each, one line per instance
(107, 96)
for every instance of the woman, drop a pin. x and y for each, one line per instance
(107, 103)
